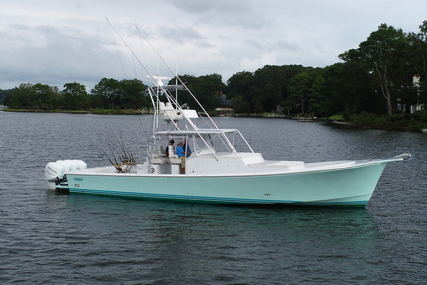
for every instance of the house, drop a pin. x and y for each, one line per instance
(224, 101)
(412, 108)
(224, 111)
(416, 82)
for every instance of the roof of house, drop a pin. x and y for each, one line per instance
(223, 109)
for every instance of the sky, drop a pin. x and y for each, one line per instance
(56, 42)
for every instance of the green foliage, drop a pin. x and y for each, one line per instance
(207, 89)
(240, 87)
(317, 103)
(240, 105)
(268, 88)
(372, 121)
(374, 81)
(3, 94)
(396, 122)
(382, 54)
(75, 96)
(110, 93)
(375, 78)
(107, 94)
(299, 88)
(113, 112)
(133, 94)
(416, 126)
(336, 117)
(29, 96)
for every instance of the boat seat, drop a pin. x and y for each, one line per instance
(174, 159)
(158, 160)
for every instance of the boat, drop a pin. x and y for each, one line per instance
(217, 171)
(222, 167)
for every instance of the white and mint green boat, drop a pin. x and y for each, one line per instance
(222, 168)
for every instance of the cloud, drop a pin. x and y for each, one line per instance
(220, 13)
(57, 42)
(289, 46)
(45, 54)
(202, 7)
(252, 65)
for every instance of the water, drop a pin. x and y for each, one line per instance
(52, 238)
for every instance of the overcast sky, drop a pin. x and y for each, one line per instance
(56, 41)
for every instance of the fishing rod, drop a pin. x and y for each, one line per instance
(122, 154)
(116, 165)
(177, 77)
(131, 157)
(170, 98)
(127, 156)
(146, 69)
(106, 155)
(123, 151)
(230, 145)
(126, 150)
(113, 147)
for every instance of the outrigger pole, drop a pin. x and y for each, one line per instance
(171, 97)
(194, 97)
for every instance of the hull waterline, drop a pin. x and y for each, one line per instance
(336, 187)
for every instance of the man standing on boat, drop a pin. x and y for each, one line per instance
(181, 155)
(171, 143)
(187, 149)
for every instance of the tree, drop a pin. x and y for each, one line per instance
(75, 96)
(132, 94)
(240, 105)
(268, 88)
(318, 103)
(105, 94)
(379, 52)
(22, 97)
(207, 90)
(3, 94)
(350, 87)
(43, 96)
(183, 96)
(240, 87)
(416, 57)
(299, 89)
(29, 96)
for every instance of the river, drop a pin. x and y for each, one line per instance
(53, 238)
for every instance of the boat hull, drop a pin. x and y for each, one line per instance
(351, 186)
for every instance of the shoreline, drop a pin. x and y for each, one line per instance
(94, 112)
(147, 112)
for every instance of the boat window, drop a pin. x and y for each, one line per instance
(218, 144)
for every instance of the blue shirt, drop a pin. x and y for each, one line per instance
(187, 150)
(179, 151)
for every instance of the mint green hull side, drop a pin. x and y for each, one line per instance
(340, 187)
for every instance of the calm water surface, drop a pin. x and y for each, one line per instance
(52, 238)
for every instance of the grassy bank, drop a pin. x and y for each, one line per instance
(411, 122)
(91, 111)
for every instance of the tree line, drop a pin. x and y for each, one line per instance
(385, 74)
(377, 77)
(107, 94)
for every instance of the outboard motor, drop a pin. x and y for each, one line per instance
(55, 172)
